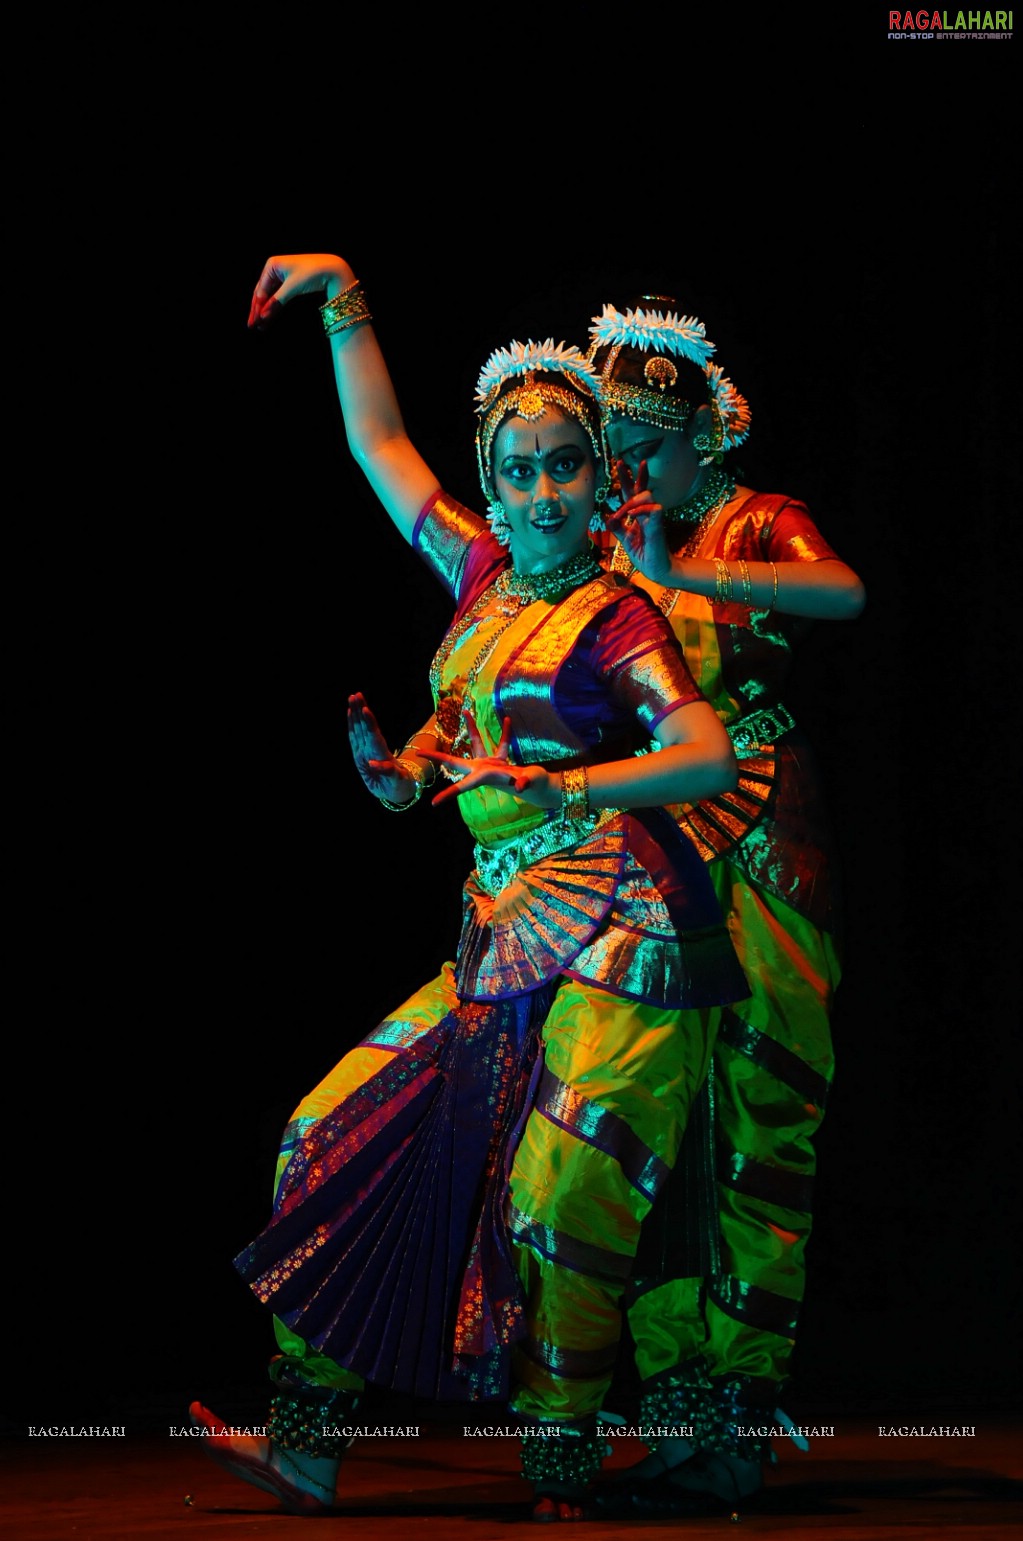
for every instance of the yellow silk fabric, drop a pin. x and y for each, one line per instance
(793, 970)
(792, 967)
(692, 620)
(643, 1064)
(491, 814)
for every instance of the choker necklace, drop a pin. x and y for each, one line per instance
(555, 583)
(704, 505)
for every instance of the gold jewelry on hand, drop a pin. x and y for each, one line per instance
(418, 776)
(723, 587)
(412, 747)
(747, 585)
(774, 596)
(575, 793)
(346, 309)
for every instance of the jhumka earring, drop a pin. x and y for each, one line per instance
(499, 525)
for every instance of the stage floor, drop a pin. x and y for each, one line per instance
(160, 1487)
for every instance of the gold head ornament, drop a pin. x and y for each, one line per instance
(523, 380)
(616, 339)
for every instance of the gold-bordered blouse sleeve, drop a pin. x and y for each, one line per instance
(444, 533)
(649, 674)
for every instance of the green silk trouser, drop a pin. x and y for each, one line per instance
(618, 1081)
(772, 1067)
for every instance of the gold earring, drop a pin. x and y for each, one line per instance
(704, 446)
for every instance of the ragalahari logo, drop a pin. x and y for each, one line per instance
(950, 26)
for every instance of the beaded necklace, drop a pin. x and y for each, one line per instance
(554, 584)
(708, 502)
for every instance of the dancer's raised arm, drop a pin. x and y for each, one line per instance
(376, 431)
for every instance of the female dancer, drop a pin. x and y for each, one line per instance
(458, 1203)
(735, 572)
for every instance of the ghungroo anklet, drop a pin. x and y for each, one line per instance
(561, 1457)
(306, 1418)
(726, 1414)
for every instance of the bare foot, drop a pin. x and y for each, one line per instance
(558, 1504)
(304, 1484)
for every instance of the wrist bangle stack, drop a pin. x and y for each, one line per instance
(429, 770)
(418, 775)
(346, 309)
(723, 589)
(747, 585)
(575, 793)
(774, 596)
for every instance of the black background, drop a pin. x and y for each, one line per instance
(210, 909)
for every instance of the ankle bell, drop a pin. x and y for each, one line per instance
(307, 1418)
(553, 1455)
(723, 1414)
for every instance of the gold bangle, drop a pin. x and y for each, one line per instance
(342, 326)
(575, 793)
(774, 596)
(747, 585)
(723, 588)
(346, 309)
(412, 747)
(343, 302)
(418, 775)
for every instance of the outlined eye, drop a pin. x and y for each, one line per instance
(569, 465)
(518, 471)
(637, 452)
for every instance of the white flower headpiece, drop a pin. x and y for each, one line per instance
(526, 358)
(662, 333)
(577, 394)
(668, 332)
(733, 410)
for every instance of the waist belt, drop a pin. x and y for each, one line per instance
(496, 865)
(760, 727)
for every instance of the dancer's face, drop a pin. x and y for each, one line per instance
(672, 463)
(545, 477)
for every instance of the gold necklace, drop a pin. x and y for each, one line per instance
(708, 502)
(514, 591)
(555, 583)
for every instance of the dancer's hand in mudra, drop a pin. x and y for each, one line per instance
(374, 761)
(494, 770)
(638, 524)
(284, 278)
